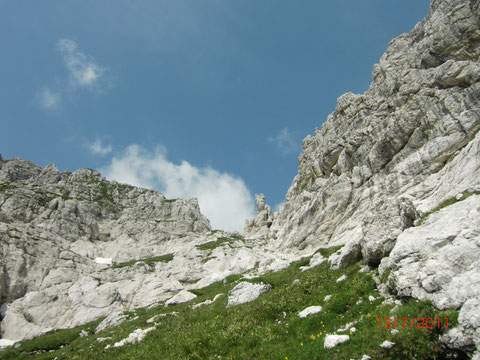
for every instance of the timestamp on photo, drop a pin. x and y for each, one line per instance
(419, 323)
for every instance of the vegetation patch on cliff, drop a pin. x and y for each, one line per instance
(149, 261)
(448, 202)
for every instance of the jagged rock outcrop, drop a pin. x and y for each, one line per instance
(259, 226)
(385, 158)
(59, 232)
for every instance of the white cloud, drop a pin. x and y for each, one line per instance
(83, 69)
(224, 199)
(48, 98)
(97, 147)
(83, 72)
(285, 142)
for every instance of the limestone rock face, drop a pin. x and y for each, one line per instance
(385, 158)
(440, 261)
(52, 228)
(75, 247)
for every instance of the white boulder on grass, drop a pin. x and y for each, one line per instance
(182, 297)
(245, 292)
(316, 260)
(327, 298)
(333, 340)
(134, 337)
(387, 344)
(309, 311)
(207, 302)
(342, 278)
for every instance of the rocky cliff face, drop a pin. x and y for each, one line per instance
(386, 158)
(59, 232)
(393, 175)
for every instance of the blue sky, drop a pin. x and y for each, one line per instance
(205, 98)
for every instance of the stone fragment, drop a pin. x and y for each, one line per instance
(333, 340)
(309, 311)
(207, 302)
(387, 344)
(134, 337)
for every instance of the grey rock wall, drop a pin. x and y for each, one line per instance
(386, 158)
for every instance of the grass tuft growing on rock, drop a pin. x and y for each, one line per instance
(211, 245)
(149, 261)
(446, 203)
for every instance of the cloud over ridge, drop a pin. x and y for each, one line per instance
(83, 70)
(224, 199)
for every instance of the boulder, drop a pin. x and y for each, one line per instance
(333, 340)
(182, 297)
(309, 311)
(246, 292)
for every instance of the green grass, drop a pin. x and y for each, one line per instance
(211, 245)
(446, 203)
(267, 328)
(6, 186)
(385, 275)
(149, 261)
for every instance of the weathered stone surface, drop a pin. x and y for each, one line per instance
(114, 319)
(245, 292)
(182, 297)
(440, 261)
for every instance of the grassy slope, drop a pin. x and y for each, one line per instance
(267, 328)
